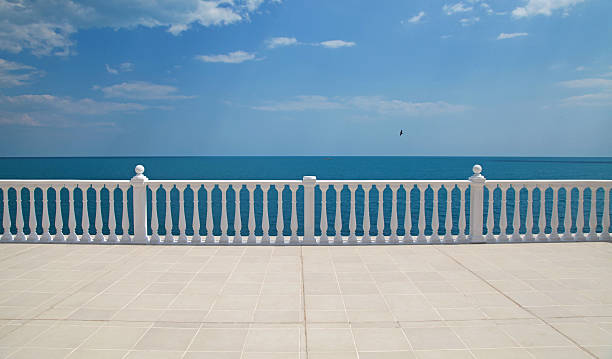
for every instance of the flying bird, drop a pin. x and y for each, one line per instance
(401, 132)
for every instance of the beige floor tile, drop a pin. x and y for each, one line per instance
(326, 316)
(114, 338)
(330, 340)
(365, 302)
(485, 337)
(324, 302)
(279, 316)
(229, 316)
(535, 335)
(380, 339)
(19, 335)
(63, 336)
(279, 302)
(212, 355)
(443, 354)
(166, 339)
(559, 353)
(433, 338)
(183, 315)
(273, 340)
(97, 354)
(333, 355)
(151, 354)
(37, 353)
(585, 333)
(502, 353)
(219, 339)
(235, 302)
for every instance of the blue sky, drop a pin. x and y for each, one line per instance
(272, 77)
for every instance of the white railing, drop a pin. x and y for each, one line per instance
(309, 211)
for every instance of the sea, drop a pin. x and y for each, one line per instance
(294, 168)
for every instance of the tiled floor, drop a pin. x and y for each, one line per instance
(463, 301)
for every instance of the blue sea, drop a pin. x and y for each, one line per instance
(294, 168)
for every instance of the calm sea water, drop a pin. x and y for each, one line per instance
(289, 168)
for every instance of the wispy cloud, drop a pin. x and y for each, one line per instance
(589, 100)
(16, 74)
(86, 106)
(235, 57)
(124, 67)
(19, 120)
(456, 8)
(376, 104)
(417, 18)
(469, 21)
(544, 7)
(504, 36)
(487, 8)
(281, 42)
(140, 90)
(588, 83)
(334, 44)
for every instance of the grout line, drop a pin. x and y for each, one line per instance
(519, 305)
(303, 305)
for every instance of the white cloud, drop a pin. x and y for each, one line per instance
(458, 7)
(126, 67)
(19, 120)
(417, 18)
(281, 42)
(589, 100)
(587, 83)
(45, 27)
(487, 8)
(469, 21)
(334, 44)
(235, 57)
(16, 74)
(504, 36)
(376, 104)
(544, 7)
(580, 68)
(68, 105)
(139, 90)
(110, 70)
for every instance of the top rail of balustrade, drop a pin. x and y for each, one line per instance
(62, 182)
(552, 183)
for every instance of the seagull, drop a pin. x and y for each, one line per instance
(401, 132)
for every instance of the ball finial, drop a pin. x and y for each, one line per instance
(477, 169)
(139, 169)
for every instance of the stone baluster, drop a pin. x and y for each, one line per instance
(223, 239)
(99, 237)
(366, 214)
(435, 220)
(169, 238)
(125, 219)
(72, 236)
(516, 215)
(380, 220)
(46, 235)
(7, 236)
(20, 236)
(33, 236)
(154, 217)
(503, 217)
(529, 218)
(554, 217)
(542, 216)
(237, 218)
(210, 238)
(280, 225)
(421, 238)
(393, 223)
(338, 220)
(352, 218)
(593, 215)
(182, 221)
(265, 220)
(580, 216)
(251, 239)
(59, 221)
(448, 216)
(323, 239)
(567, 220)
(85, 237)
(605, 219)
(408, 215)
(461, 237)
(112, 220)
(195, 222)
(490, 237)
(294, 219)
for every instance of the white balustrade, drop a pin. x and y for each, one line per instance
(441, 229)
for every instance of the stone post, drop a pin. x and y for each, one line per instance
(309, 183)
(476, 205)
(139, 196)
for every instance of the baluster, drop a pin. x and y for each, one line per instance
(529, 219)
(99, 237)
(112, 220)
(196, 215)
(366, 214)
(294, 221)
(125, 219)
(154, 218)
(20, 236)
(280, 238)
(33, 236)
(210, 238)
(567, 220)
(72, 236)
(393, 223)
(7, 236)
(448, 216)
(542, 217)
(554, 217)
(252, 239)
(168, 221)
(380, 221)
(338, 220)
(435, 220)
(59, 221)
(46, 236)
(265, 221)
(323, 239)
(421, 238)
(593, 216)
(605, 220)
(503, 218)
(85, 237)
(490, 221)
(237, 219)
(516, 215)
(224, 225)
(461, 237)
(352, 220)
(182, 222)
(408, 215)
(580, 216)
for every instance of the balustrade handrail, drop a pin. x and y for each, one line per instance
(307, 211)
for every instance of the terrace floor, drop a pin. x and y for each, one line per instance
(460, 301)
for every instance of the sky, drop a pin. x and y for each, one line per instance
(315, 77)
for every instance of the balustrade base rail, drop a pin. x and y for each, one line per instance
(338, 212)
